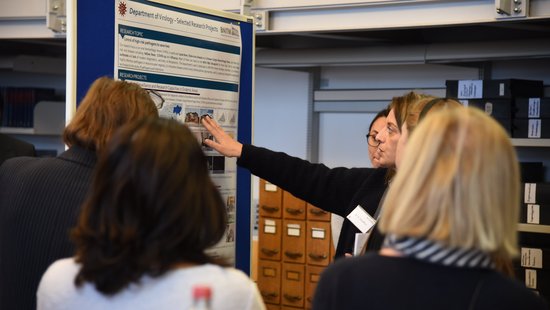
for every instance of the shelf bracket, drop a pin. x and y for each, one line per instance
(57, 16)
(511, 9)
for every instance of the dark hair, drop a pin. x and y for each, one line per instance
(383, 113)
(108, 104)
(151, 206)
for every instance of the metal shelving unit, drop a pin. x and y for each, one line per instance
(531, 142)
(534, 228)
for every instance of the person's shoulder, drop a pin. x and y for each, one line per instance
(18, 164)
(226, 274)
(63, 266)
(59, 274)
(508, 292)
(353, 266)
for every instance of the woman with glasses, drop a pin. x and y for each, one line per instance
(377, 125)
(41, 197)
(339, 190)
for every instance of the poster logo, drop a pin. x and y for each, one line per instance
(122, 8)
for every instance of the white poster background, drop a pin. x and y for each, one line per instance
(193, 61)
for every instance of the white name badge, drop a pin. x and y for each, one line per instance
(361, 219)
(360, 241)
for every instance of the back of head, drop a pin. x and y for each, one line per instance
(458, 184)
(402, 104)
(151, 206)
(108, 104)
(421, 108)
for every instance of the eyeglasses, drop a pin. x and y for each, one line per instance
(371, 139)
(156, 97)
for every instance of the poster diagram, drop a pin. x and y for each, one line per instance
(193, 61)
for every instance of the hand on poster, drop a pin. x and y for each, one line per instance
(223, 143)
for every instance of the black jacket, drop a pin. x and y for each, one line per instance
(336, 190)
(11, 147)
(40, 199)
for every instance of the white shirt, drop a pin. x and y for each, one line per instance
(231, 289)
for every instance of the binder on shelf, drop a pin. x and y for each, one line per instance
(531, 128)
(538, 193)
(534, 257)
(535, 279)
(497, 108)
(534, 107)
(505, 88)
(535, 214)
(532, 172)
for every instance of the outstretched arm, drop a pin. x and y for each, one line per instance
(222, 142)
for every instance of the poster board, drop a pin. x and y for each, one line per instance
(166, 40)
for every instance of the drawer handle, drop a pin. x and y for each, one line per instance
(270, 209)
(292, 298)
(294, 211)
(269, 295)
(293, 255)
(317, 211)
(317, 256)
(270, 252)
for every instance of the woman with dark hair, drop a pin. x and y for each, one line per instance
(377, 125)
(141, 239)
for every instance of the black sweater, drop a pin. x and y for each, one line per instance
(377, 282)
(336, 190)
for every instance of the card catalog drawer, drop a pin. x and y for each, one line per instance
(293, 208)
(318, 243)
(292, 285)
(294, 241)
(313, 273)
(316, 214)
(269, 281)
(270, 199)
(269, 238)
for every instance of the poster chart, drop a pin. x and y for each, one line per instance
(192, 61)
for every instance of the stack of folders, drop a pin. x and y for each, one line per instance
(535, 207)
(535, 269)
(500, 99)
(532, 118)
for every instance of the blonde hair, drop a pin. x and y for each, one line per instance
(458, 184)
(108, 104)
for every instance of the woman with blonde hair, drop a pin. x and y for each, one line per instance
(451, 207)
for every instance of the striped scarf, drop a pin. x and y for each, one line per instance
(434, 252)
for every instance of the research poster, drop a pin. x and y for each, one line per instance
(193, 61)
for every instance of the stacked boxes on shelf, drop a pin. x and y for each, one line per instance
(533, 268)
(535, 208)
(502, 99)
(294, 246)
(532, 119)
